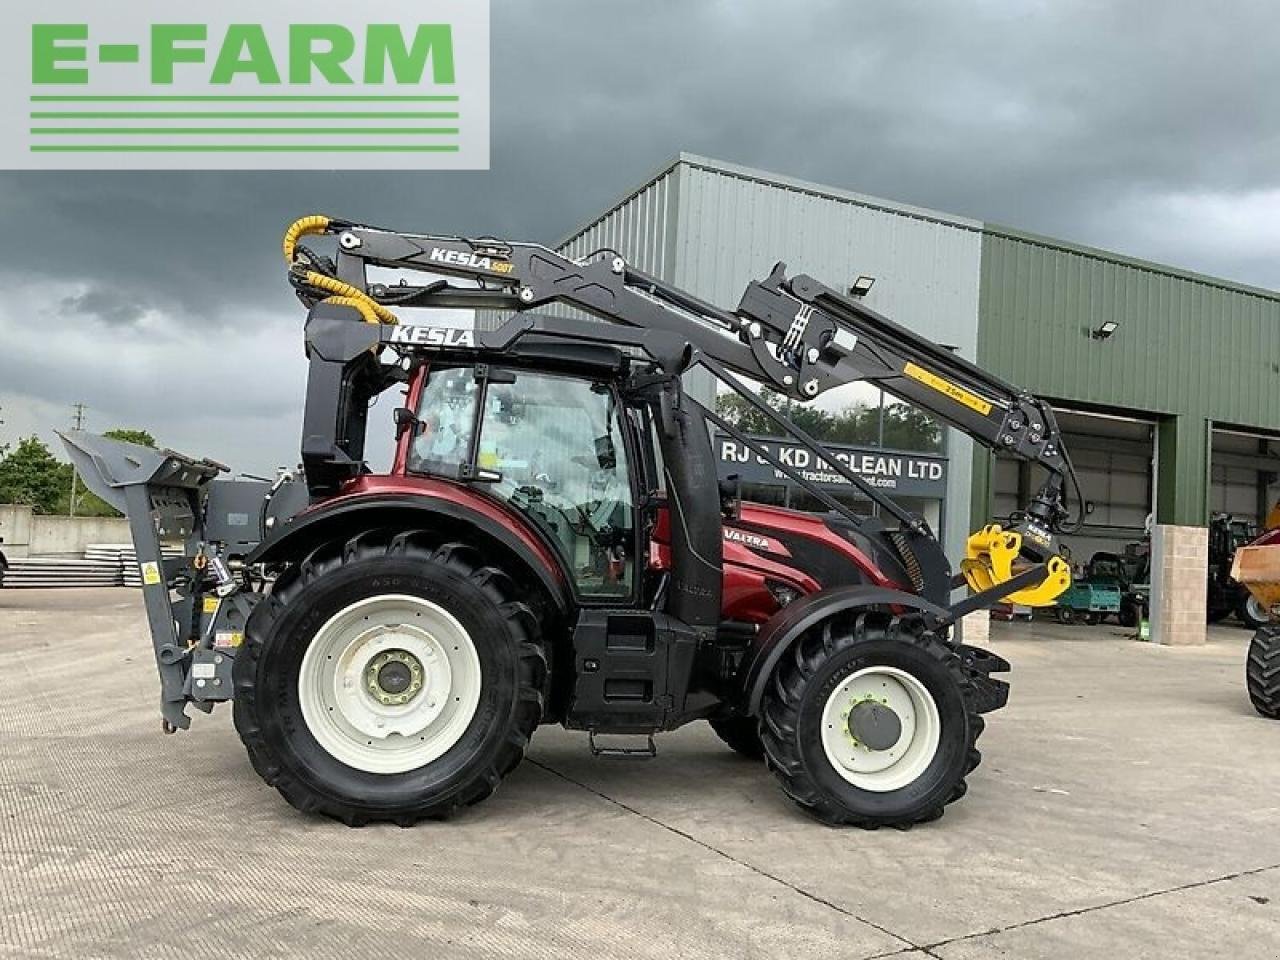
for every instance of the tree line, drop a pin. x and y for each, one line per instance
(31, 475)
(895, 425)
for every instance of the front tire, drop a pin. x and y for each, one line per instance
(844, 665)
(741, 734)
(389, 679)
(1251, 612)
(1262, 672)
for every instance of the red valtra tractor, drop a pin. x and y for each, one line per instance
(552, 543)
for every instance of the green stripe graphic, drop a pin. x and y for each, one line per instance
(196, 122)
(244, 148)
(237, 115)
(153, 131)
(266, 98)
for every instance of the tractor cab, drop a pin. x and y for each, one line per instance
(553, 440)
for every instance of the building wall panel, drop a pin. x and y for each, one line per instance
(1185, 344)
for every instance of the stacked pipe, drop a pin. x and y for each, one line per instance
(61, 572)
(103, 565)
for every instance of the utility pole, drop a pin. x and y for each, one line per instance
(77, 421)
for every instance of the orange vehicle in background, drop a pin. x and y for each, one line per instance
(1257, 566)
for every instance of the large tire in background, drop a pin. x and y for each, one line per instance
(389, 678)
(824, 689)
(1262, 672)
(1251, 612)
(742, 734)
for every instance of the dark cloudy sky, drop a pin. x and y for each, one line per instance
(1149, 128)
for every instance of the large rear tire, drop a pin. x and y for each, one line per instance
(926, 749)
(389, 678)
(1262, 672)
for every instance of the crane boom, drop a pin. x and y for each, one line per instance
(792, 334)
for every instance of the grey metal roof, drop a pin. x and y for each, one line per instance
(777, 180)
(908, 210)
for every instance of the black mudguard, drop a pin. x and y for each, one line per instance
(346, 517)
(785, 627)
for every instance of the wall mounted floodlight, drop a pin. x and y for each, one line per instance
(862, 286)
(1105, 330)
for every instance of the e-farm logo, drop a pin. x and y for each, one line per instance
(387, 84)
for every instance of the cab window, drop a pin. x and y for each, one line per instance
(557, 446)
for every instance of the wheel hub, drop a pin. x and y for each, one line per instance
(874, 725)
(880, 728)
(394, 677)
(389, 683)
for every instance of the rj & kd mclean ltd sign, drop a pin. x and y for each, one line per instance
(905, 474)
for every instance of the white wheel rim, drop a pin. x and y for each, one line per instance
(904, 761)
(1256, 609)
(379, 730)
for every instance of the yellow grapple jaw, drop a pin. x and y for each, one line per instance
(990, 558)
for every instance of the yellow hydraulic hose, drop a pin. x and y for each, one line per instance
(346, 290)
(343, 293)
(302, 227)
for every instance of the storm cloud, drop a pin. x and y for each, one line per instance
(1151, 131)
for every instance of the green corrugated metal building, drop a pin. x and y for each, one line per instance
(1194, 355)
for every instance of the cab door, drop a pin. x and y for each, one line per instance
(556, 446)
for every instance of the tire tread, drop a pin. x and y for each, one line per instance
(780, 713)
(531, 682)
(1262, 672)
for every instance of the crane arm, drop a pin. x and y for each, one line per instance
(792, 334)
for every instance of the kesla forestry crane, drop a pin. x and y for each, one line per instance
(552, 543)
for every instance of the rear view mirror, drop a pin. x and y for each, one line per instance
(406, 419)
(606, 453)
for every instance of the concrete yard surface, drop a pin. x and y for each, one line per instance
(1128, 805)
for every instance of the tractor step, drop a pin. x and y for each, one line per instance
(649, 749)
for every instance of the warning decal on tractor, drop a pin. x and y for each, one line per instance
(956, 392)
(150, 573)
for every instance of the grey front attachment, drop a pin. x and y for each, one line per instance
(171, 497)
